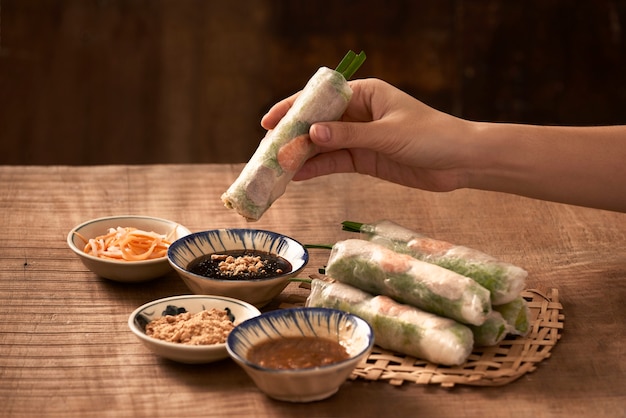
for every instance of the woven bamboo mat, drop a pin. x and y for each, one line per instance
(486, 366)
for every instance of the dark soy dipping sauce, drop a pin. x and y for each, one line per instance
(206, 266)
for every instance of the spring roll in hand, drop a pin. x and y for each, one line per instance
(324, 98)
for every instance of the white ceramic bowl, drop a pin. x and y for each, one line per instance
(301, 385)
(124, 271)
(184, 353)
(258, 292)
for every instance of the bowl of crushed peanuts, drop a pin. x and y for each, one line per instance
(189, 329)
(248, 264)
(125, 248)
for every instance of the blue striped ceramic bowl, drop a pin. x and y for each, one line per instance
(309, 384)
(258, 292)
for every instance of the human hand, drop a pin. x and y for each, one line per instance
(384, 133)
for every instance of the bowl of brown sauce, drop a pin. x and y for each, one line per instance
(252, 265)
(300, 354)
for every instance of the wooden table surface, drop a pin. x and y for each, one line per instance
(66, 350)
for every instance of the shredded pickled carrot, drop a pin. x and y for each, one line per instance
(127, 244)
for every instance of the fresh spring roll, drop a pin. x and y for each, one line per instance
(492, 331)
(324, 98)
(398, 327)
(512, 318)
(379, 270)
(503, 280)
(517, 315)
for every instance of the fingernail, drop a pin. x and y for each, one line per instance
(321, 132)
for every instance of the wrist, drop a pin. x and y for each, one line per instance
(497, 155)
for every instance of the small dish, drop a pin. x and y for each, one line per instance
(184, 353)
(306, 384)
(258, 292)
(120, 270)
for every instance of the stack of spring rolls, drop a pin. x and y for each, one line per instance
(423, 297)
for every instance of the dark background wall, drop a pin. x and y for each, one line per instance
(176, 81)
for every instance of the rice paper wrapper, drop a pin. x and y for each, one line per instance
(398, 327)
(379, 270)
(491, 332)
(504, 280)
(517, 315)
(262, 180)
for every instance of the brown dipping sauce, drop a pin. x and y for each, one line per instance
(240, 264)
(297, 353)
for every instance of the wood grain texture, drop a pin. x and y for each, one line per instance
(65, 349)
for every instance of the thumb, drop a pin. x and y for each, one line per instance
(338, 135)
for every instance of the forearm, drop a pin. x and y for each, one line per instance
(574, 165)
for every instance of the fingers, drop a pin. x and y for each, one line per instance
(276, 112)
(340, 161)
(376, 136)
(362, 89)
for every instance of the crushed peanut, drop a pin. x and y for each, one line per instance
(233, 266)
(203, 328)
